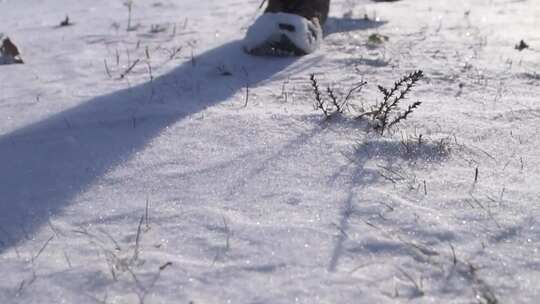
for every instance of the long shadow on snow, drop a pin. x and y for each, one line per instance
(44, 166)
(387, 152)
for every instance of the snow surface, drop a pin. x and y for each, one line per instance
(252, 196)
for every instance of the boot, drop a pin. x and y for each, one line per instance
(288, 28)
(308, 9)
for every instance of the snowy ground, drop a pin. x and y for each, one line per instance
(246, 194)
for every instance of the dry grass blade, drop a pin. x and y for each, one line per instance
(138, 240)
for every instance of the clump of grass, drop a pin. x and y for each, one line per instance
(129, 5)
(521, 46)
(386, 113)
(334, 105)
(65, 22)
(383, 115)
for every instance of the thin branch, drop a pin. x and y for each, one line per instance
(128, 70)
(34, 258)
(137, 240)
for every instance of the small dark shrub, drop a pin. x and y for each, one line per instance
(383, 115)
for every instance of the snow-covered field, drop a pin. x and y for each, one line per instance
(164, 165)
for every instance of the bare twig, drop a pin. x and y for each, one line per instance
(164, 266)
(418, 286)
(129, 69)
(53, 229)
(129, 5)
(34, 258)
(107, 68)
(246, 74)
(319, 102)
(110, 237)
(68, 260)
(137, 240)
(454, 257)
(146, 214)
(385, 114)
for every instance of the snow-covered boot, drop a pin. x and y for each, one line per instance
(288, 28)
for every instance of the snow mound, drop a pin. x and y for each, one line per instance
(283, 34)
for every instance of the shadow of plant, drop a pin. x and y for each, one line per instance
(391, 150)
(385, 152)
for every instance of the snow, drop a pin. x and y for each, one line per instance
(246, 193)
